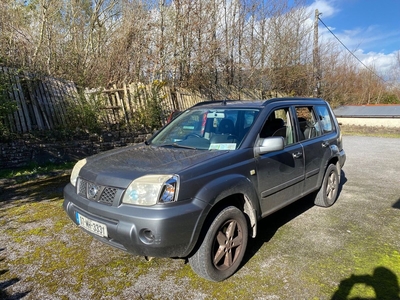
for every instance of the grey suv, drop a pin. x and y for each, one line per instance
(199, 186)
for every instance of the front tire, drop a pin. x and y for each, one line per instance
(221, 252)
(328, 192)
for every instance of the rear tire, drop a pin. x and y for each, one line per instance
(328, 192)
(221, 252)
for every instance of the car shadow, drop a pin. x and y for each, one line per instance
(268, 226)
(343, 180)
(383, 281)
(397, 204)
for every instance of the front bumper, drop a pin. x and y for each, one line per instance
(173, 228)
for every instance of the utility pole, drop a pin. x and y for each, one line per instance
(316, 66)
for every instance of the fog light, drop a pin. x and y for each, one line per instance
(147, 236)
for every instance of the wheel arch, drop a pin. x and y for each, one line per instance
(240, 201)
(335, 153)
(236, 190)
(332, 160)
(227, 191)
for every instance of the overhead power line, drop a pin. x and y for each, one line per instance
(369, 69)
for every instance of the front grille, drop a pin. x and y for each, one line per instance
(94, 192)
(108, 195)
(82, 188)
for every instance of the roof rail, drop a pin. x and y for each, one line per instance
(224, 102)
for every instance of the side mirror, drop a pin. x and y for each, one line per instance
(270, 145)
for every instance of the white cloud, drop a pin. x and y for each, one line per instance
(357, 41)
(363, 42)
(381, 62)
(325, 7)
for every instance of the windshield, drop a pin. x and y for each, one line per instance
(207, 129)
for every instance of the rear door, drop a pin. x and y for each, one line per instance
(316, 133)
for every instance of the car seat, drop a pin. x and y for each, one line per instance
(225, 132)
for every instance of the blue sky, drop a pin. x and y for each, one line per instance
(370, 28)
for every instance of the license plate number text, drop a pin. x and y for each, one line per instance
(92, 226)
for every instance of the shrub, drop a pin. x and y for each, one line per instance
(7, 105)
(85, 115)
(148, 116)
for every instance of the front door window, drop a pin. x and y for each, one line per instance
(279, 123)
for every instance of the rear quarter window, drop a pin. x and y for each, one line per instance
(324, 118)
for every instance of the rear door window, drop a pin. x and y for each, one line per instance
(308, 123)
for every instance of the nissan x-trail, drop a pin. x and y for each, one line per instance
(197, 188)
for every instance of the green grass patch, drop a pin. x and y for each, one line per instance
(35, 169)
(383, 132)
(375, 275)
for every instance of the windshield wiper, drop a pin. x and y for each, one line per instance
(176, 145)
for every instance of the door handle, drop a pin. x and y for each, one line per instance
(325, 144)
(297, 154)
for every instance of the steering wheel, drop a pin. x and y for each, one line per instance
(193, 134)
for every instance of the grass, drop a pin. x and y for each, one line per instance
(35, 169)
(370, 131)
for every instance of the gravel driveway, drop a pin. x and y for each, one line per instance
(350, 250)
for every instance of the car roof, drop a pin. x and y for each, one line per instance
(256, 103)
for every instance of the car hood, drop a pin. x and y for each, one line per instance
(120, 166)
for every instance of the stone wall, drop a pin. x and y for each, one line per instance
(24, 151)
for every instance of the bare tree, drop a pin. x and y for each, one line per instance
(215, 46)
(15, 38)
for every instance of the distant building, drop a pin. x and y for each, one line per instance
(369, 115)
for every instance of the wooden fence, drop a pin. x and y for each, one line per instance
(43, 102)
(121, 104)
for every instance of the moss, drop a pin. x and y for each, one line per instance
(363, 271)
(59, 257)
(54, 259)
(17, 211)
(181, 272)
(119, 269)
(39, 231)
(60, 224)
(141, 267)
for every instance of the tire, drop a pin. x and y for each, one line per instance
(328, 192)
(223, 247)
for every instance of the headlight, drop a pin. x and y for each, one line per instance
(152, 189)
(75, 171)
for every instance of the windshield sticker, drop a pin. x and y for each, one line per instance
(225, 146)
